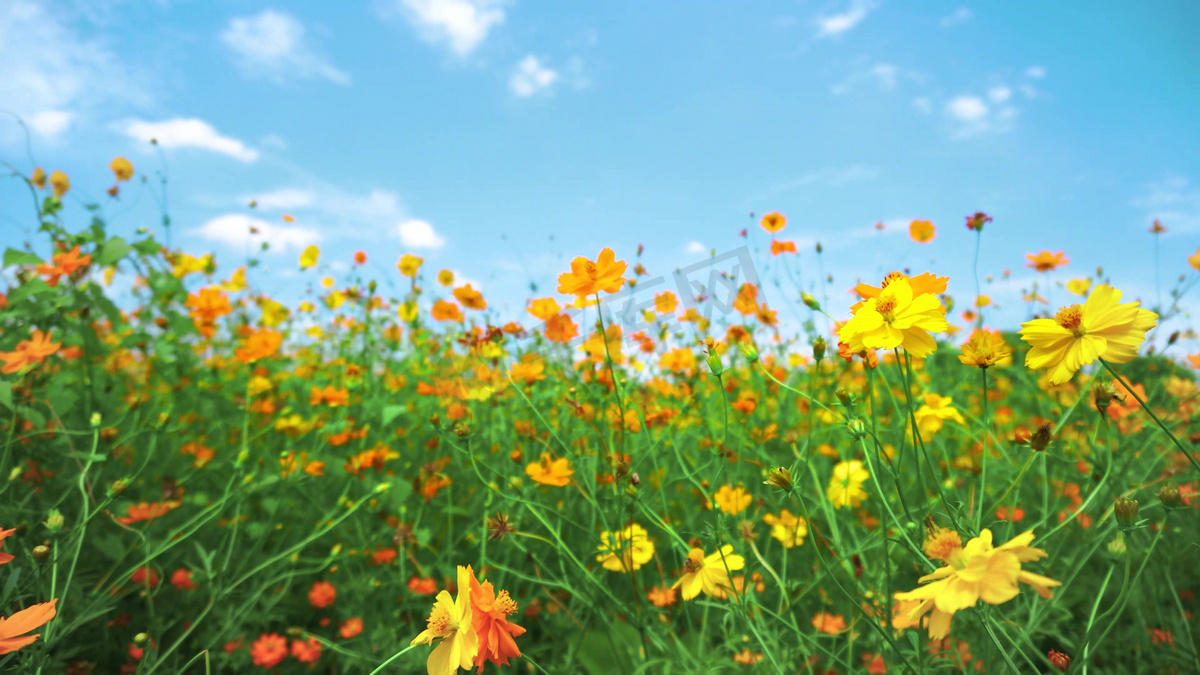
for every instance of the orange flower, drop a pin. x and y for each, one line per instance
(350, 628)
(144, 576)
(1194, 260)
(588, 278)
(922, 231)
(122, 168)
(785, 246)
(747, 657)
(530, 369)
(829, 623)
(322, 594)
(12, 628)
(269, 650)
(307, 651)
(547, 471)
(147, 511)
(330, 395)
(181, 579)
(208, 305)
(65, 263)
(922, 284)
(426, 586)
(1046, 261)
(773, 222)
(261, 344)
(38, 178)
(544, 308)
(360, 257)
(488, 618)
(470, 298)
(665, 302)
(661, 596)
(29, 352)
(1157, 227)
(5, 558)
(560, 328)
(60, 184)
(444, 310)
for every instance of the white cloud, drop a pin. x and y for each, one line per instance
(885, 75)
(1035, 72)
(271, 45)
(956, 17)
(462, 25)
(999, 94)
(923, 105)
(695, 248)
(531, 77)
(419, 234)
(1175, 201)
(967, 108)
(836, 24)
(827, 178)
(283, 198)
(54, 77)
(238, 230)
(50, 123)
(189, 133)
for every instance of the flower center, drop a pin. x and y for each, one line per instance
(693, 564)
(440, 621)
(505, 604)
(1071, 318)
(591, 269)
(885, 305)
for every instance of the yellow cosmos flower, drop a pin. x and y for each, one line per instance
(446, 278)
(733, 500)
(451, 623)
(121, 168)
(976, 572)
(409, 264)
(709, 574)
(985, 348)
(1194, 260)
(407, 311)
(1078, 335)
(845, 486)
(310, 256)
(1079, 286)
(789, 529)
(934, 412)
(60, 184)
(626, 549)
(895, 318)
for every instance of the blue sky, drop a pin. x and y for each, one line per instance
(500, 139)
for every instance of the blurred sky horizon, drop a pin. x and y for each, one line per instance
(502, 139)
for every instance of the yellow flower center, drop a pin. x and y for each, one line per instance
(885, 305)
(694, 563)
(1071, 318)
(505, 604)
(440, 621)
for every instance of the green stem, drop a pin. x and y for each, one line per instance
(1154, 417)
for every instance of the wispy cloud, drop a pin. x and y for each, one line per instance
(836, 24)
(241, 231)
(461, 25)
(956, 17)
(971, 115)
(273, 45)
(419, 234)
(884, 75)
(1174, 200)
(189, 133)
(833, 177)
(532, 77)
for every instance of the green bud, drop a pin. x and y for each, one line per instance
(749, 351)
(714, 363)
(857, 428)
(55, 521)
(95, 419)
(818, 347)
(1170, 496)
(1126, 510)
(779, 477)
(810, 302)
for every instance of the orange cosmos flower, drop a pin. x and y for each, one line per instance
(560, 328)
(29, 352)
(922, 231)
(307, 651)
(322, 594)
(544, 308)
(38, 178)
(147, 511)
(588, 278)
(208, 305)
(350, 628)
(665, 302)
(5, 557)
(829, 623)
(444, 310)
(261, 344)
(977, 221)
(181, 579)
(773, 222)
(1157, 227)
(922, 284)
(360, 257)
(13, 628)
(530, 369)
(548, 471)
(269, 650)
(470, 298)
(1194, 260)
(489, 613)
(60, 184)
(661, 596)
(786, 246)
(65, 263)
(1046, 261)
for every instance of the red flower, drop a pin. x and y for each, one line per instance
(350, 628)
(144, 576)
(181, 579)
(322, 594)
(269, 650)
(488, 617)
(306, 651)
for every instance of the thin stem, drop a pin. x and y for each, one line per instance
(1154, 417)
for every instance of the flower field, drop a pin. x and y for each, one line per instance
(199, 478)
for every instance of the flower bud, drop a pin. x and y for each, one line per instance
(779, 477)
(55, 521)
(810, 302)
(818, 348)
(635, 479)
(1117, 546)
(435, 420)
(1041, 437)
(118, 486)
(1169, 495)
(714, 363)
(141, 639)
(95, 419)
(1126, 510)
(844, 397)
(41, 553)
(632, 491)
(857, 428)
(1103, 394)
(749, 351)
(462, 429)
(1059, 660)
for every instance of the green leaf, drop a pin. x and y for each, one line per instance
(29, 289)
(112, 251)
(14, 257)
(37, 418)
(390, 412)
(147, 246)
(6, 394)
(109, 545)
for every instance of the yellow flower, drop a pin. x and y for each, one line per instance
(625, 549)
(985, 348)
(409, 264)
(709, 574)
(549, 471)
(184, 264)
(310, 256)
(1079, 286)
(845, 486)
(327, 282)
(1194, 260)
(941, 543)
(982, 301)
(451, 621)
(38, 178)
(446, 277)
(1078, 335)
(895, 318)
(407, 311)
(790, 530)
(976, 572)
(733, 500)
(122, 168)
(237, 281)
(273, 313)
(773, 222)
(588, 278)
(922, 231)
(60, 183)
(931, 416)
